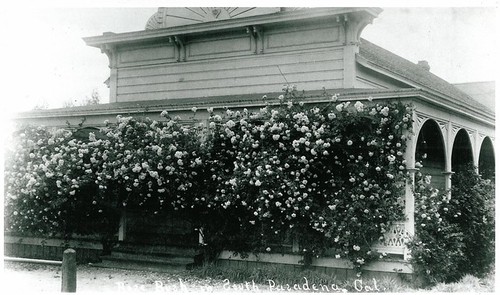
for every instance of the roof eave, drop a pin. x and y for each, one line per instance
(144, 35)
(179, 105)
(470, 113)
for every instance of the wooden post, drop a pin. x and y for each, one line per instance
(122, 231)
(69, 271)
(295, 244)
(201, 239)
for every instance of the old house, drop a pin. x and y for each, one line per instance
(232, 56)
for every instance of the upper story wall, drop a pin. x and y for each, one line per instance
(310, 48)
(214, 64)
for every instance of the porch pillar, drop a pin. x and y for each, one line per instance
(409, 197)
(447, 181)
(476, 151)
(447, 165)
(409, 208)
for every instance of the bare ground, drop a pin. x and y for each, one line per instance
(28, 278)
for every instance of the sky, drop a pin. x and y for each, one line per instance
(45, 60)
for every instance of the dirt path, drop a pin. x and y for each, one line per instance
(27, 278)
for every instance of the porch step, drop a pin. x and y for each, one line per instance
(144, 262)
(141, 266)
(155, 250)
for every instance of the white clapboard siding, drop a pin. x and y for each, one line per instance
(277, 78)
(223, 91)
(254, 71)
(246, 75)
(252, 61)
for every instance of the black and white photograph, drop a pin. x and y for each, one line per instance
(298, 147)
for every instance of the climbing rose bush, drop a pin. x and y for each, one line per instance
(50, 184)
(57, 184)
(151, 164)
(329, 175)
(472, 210)
(332, 175)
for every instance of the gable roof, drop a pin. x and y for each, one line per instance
(414, 73)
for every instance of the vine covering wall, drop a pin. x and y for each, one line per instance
(331, 175)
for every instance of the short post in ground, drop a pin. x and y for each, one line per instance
(69, 271)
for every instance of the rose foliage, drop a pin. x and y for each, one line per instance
(329, 175)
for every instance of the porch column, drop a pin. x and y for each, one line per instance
(409, 208)
(476, 152)
(447, 165)
(447, 181)
(409, 197)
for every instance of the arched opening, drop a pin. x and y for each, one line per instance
(430, 152)
(486, 165)
(462, 150)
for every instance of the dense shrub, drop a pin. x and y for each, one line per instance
(331, 175)
(437, 248)
(472, 210)
(57, 184)
(454, 236)
(49, 187)
(152, 165)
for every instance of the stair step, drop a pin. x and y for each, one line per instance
(141, 266)
(158, 250)
(145, 258)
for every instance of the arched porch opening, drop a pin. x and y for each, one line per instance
(430, 151)
(486, 164)
(462, 150)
